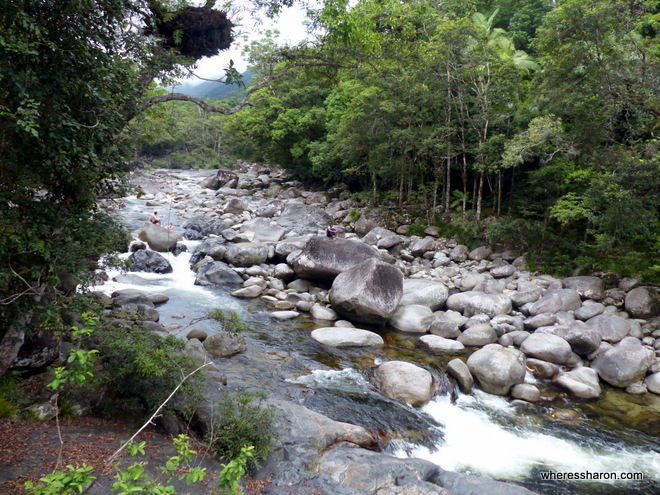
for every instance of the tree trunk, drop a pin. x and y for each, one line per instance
(479, 194)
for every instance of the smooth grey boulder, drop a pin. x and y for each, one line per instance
(201, 226)
(123, 297)
(478, 336)
(404, 382)
(287, 246)
(247, 254)
(446, 324)
(323, 259)
(652, 383)
(556, 300)
(264, 229)
(145, 260)
(320, 312)
(480, 253)
(643, 303)
(222, 178)
(547, 347)
(496, 369)
(217, 273)
(583, 339)
(473, 303)
(440, 344)
(304, 219)
(470, 280)
(420, 246)
(159, 238)
(467, 484)
(588, 311)
(612, 328)
(503, 271)
(588, 287)
(376, 234)
(541, 320)
(343, 337)
(581, 382)
(249, 292)
(225, 344)
(460, 371)
(427, 292)
(525, 391)
(206, 248)
(413, 318)
(459, 253)
(541, 368)
(369, 292)
(625, 363)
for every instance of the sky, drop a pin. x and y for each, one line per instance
(289, 24)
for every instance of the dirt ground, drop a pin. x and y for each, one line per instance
(29, 450)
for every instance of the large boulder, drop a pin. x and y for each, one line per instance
(210, 247)
(264, 229)
(217, 273)
(159, 238)
(343, 337)
(323, 258)
(588, 287)
(303, 219)
(643, 302)
(370, 292)
(225, 344)
(625, 363)
(201, 226)
(440, 344)
(287, 246)
(612, 328)
(426, 292)
(547, 347)
(149, 261)
(496, 369)
(404, 382)
(556, 300)
(582, 338)
(222, 178)
(582, 383)
(247, 254)
(473, 303)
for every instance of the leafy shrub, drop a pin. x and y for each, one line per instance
(354, 215)
(417, 229)
(242, 420)
(231, 322)
(139, 369)
(10, 395)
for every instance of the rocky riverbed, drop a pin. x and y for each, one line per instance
(492, 325)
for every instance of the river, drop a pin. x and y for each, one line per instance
(481, 434)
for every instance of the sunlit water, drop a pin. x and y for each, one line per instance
(479, 434)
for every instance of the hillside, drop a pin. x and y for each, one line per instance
(213, 90)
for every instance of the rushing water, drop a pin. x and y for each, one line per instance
(479, 433)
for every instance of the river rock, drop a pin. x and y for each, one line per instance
(217, 273)
(201, 226)
(643, 302)
(446, 324)
(583, 339)
(264, 229)
(496, 369)
(478, 336)
(588, 287)
(470, 280)
(294, 243)
(625, 363)
(225, 344)
(249, 292)
(440, 344)
(556, 300)
(503, 271)
(304, 219)
(653, 383)
(525, 391)
(376, 234)
(612, 328)
(459, 253)
(222, 178)
(480, 253)
(581, 382)
(427, 292)
(541, 320)
(124, 297)
(343, 337)
(323, 258)
(420, 246)
(473, 303)
(460, 371)
(547, 347)
(369, 292)
(247, 254)
(149, 261)
(159, 238)
(467, 484)
(413, 318)
(404, 382)
(588, 311)
(320, 312)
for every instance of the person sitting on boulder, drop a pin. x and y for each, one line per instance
(155, 219)
(331, 232)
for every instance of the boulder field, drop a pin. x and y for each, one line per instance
(264, 237)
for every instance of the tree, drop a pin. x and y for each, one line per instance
(72, 74)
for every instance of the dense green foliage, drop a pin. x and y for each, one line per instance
(438, 105)
(241, 420)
